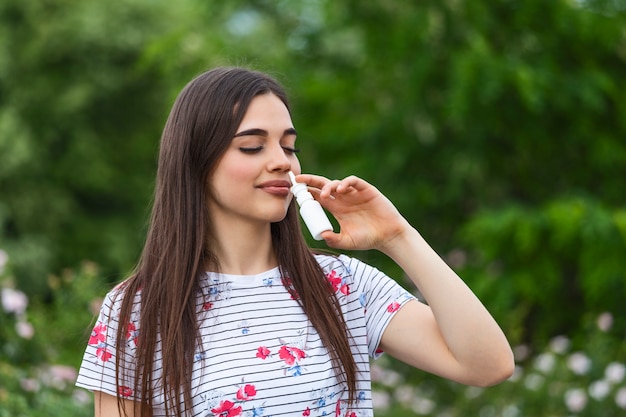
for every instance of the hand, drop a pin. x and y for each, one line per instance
(367, 219)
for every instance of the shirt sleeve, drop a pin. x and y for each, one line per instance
(380, 296)
(97, 370)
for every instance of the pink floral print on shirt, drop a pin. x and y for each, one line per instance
(233, 408)
(98, 334)
(262, 352)
(98, 339)
(125, 391)
(338, 283)
(290, 355)
(227, 409)
(393, 307)
(246, 392)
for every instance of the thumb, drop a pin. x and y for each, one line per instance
(331, 238)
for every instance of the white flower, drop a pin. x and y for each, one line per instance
(598, 390)
(605, 321)
(559, 344)
(533, 382)
(518, 372)
(473, 392)
(579, 363)
(385, 376)
(14, 301)
(380, 400)
(404, 394)
(620, 398)
(511, 411)
(423, 406)
(575, 400)
(545, 362)
(615, 372)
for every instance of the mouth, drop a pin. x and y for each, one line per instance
(276, 187)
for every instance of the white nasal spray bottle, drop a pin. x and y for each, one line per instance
(311, 211)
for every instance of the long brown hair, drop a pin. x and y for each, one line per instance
(200, 126)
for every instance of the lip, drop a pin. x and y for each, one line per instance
(276, 187)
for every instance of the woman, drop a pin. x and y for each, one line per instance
(230, 313)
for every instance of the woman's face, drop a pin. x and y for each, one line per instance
(250, 181)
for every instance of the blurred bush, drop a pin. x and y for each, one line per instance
(548, 267)
(560, 379)
(42, 344)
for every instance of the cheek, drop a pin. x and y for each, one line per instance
(231, 169)
(239, 173)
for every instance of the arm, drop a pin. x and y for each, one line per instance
(454, 336)
(105, 405)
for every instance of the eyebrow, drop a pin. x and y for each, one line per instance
(261, 132)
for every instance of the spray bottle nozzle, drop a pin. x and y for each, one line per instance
(299, 190)
(310, 210)
(292, 178)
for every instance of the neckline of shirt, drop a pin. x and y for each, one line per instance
(242, 279)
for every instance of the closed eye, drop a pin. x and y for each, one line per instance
(251, 150)
(257, 149)
(290, 150)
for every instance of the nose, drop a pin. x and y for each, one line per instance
(279, 160)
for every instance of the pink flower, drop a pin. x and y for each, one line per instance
(306, 412)
(24, 329)
(289, 285)
(98, 334)
(125, 391)
(393, 307)
(227, 409)
(246, 392)
(334, 280)
(344, 289)
(103, 354)
(130, 330)
(207, 306)
(290, 354)
(262, 352)
(14, 301)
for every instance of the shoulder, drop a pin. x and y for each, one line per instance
(352, 272)
(347, 266)
(112, 302)
(337, 264)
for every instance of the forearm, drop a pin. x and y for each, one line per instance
(469, 331)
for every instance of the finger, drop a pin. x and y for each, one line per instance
(329, 188)
(316, 196)
(352, 182)
(316, 181)
(332, 239)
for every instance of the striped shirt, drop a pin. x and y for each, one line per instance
(260, 355)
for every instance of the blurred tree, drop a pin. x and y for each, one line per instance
(79, 123)
(497, 128)
(466, 113)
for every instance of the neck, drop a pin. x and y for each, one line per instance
(244, 249)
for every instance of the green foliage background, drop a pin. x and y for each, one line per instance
(497, 127)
